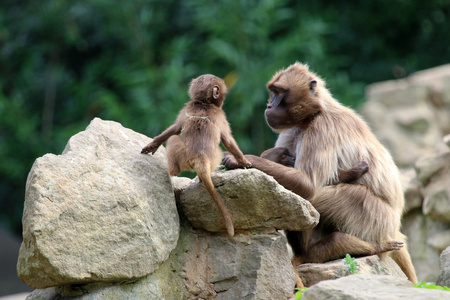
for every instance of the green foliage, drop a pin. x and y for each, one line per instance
(431, 285)
(65, 62)
(299, 293)
(351, 264)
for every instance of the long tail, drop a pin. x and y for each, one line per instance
(403, 259)
(205, 177)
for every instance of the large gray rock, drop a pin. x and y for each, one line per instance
(314, 273)
(101, 211)
(408, 125)
(427, 218)
(424, 235)
(371, 287)
(436, 189)
(428, 167)
(412, 190)
(167, 282)
(438, 80)
(202, 266)
(414, 113)
(243, 267)
(444, 275)
(254, 200)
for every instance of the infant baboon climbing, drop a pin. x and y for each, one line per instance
(193, 141)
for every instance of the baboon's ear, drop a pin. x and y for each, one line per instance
(216, 92)
(313, 86)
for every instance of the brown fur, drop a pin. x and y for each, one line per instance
(279, 155)
(193, 141)
(282, 156)
(328, 138)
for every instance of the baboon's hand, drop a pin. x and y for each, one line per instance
(230, 162)
(389, 246)
(363, 166)
(245, 163)
(150, 148)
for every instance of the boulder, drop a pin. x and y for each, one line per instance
(244, 267)
(444, 275)
(101, 220)
(427, 219)
(414, 113)
(314, 273)
(439, 240)
(371, 287)
(254, 200)
(428, 166)
(101, 211)
(436, 190)
(446, 139)
(167, 282)
(202, 266)
(422, 233)
(411, 189)
(408, 128)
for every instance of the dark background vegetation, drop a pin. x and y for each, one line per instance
(64, 62)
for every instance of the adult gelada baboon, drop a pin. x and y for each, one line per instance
(193, 141)
(361, 218)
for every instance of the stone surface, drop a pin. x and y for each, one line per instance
(167, 282)
(179, 183)
(444, 275)
(371, 287)
(243, 267)
(254, 200)
(411, 189)
(314, 273)
(447, 140)
(415, 114)
(100, 222)
(429, 165)
(420, 231)
(202, 266)
(427, 219)
(438, 80)
(101, 211)
(436, 191)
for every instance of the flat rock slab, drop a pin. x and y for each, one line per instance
(444, 275)
(254, 200)
(314, 273)
(101, 211)
(371, 287)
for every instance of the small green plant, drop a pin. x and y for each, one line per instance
(431, 285)
(299, 293)
(222, 168)
(351, 264)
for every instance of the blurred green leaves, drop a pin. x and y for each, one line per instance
(65, 62)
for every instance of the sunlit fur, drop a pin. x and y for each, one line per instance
(347, 138)
(335, 140)
(193, 141)
(359, 218)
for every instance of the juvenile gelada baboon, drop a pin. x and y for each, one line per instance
(193, 141)
(362, 218)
